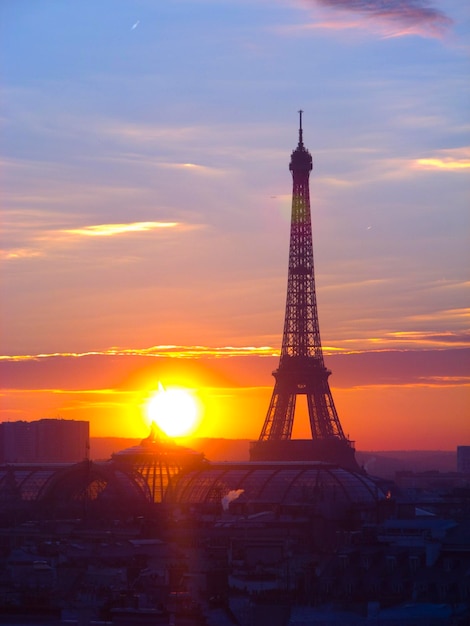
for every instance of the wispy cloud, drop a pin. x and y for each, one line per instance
(447, 339)
(443, 381)
(109, 230)
(446, 315)
(439, 164)
(149, 134)
(414, 339)
(454, 160)
(20, 253)
(392, 18)
(171, 351)
(41, 242)
(101, 372)
(193, 167)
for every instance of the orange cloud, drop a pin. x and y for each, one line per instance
(441, 164)
(42, 241)
(419, 340)
(108, 230)
(452, 159)
(171, 351)
(19, 253)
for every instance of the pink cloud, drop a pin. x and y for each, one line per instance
(395, 18)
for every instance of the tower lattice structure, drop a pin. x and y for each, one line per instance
(302, 370)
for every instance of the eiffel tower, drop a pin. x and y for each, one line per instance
(301, 368)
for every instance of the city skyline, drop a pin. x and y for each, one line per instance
(147, 205)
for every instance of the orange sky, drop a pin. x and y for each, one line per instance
(386, 400)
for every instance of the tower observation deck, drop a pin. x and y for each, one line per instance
(302, 370)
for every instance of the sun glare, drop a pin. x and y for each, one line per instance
(174, 410)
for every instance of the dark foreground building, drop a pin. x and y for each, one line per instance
(44, 441)
(253, 544)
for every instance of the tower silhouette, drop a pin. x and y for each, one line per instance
(301, 368)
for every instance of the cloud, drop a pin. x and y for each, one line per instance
(41, 243)
(412, 339)
(136, 370)
(170, 351)
(447, 339)
(193, 167)
(393, 18)
(148, 133)
(108, 230)
(19, 253)
(452, 160)
(430, 164)
(403, 340)
(449, 316)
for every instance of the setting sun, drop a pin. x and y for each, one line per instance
(175, 410)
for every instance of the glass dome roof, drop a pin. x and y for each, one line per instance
(288, 484)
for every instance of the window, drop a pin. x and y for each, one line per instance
(414, 563)
(391, 562)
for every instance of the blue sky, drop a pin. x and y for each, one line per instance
(146, 191)
(106, 102)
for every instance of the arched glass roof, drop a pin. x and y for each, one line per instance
(25, 481)
(288, 483)
(30, 483)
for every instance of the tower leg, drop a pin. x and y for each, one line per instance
(280, 416)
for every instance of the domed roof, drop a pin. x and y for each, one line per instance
(65, 486)
(156, 444)
(287, 484)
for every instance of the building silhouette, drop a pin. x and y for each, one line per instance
(158, 461)
(463, 459)
(44, 441)
(302, 371)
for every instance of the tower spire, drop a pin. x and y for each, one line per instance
(301, 143)
(301, 368)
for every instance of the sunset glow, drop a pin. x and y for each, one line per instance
(174, 410)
